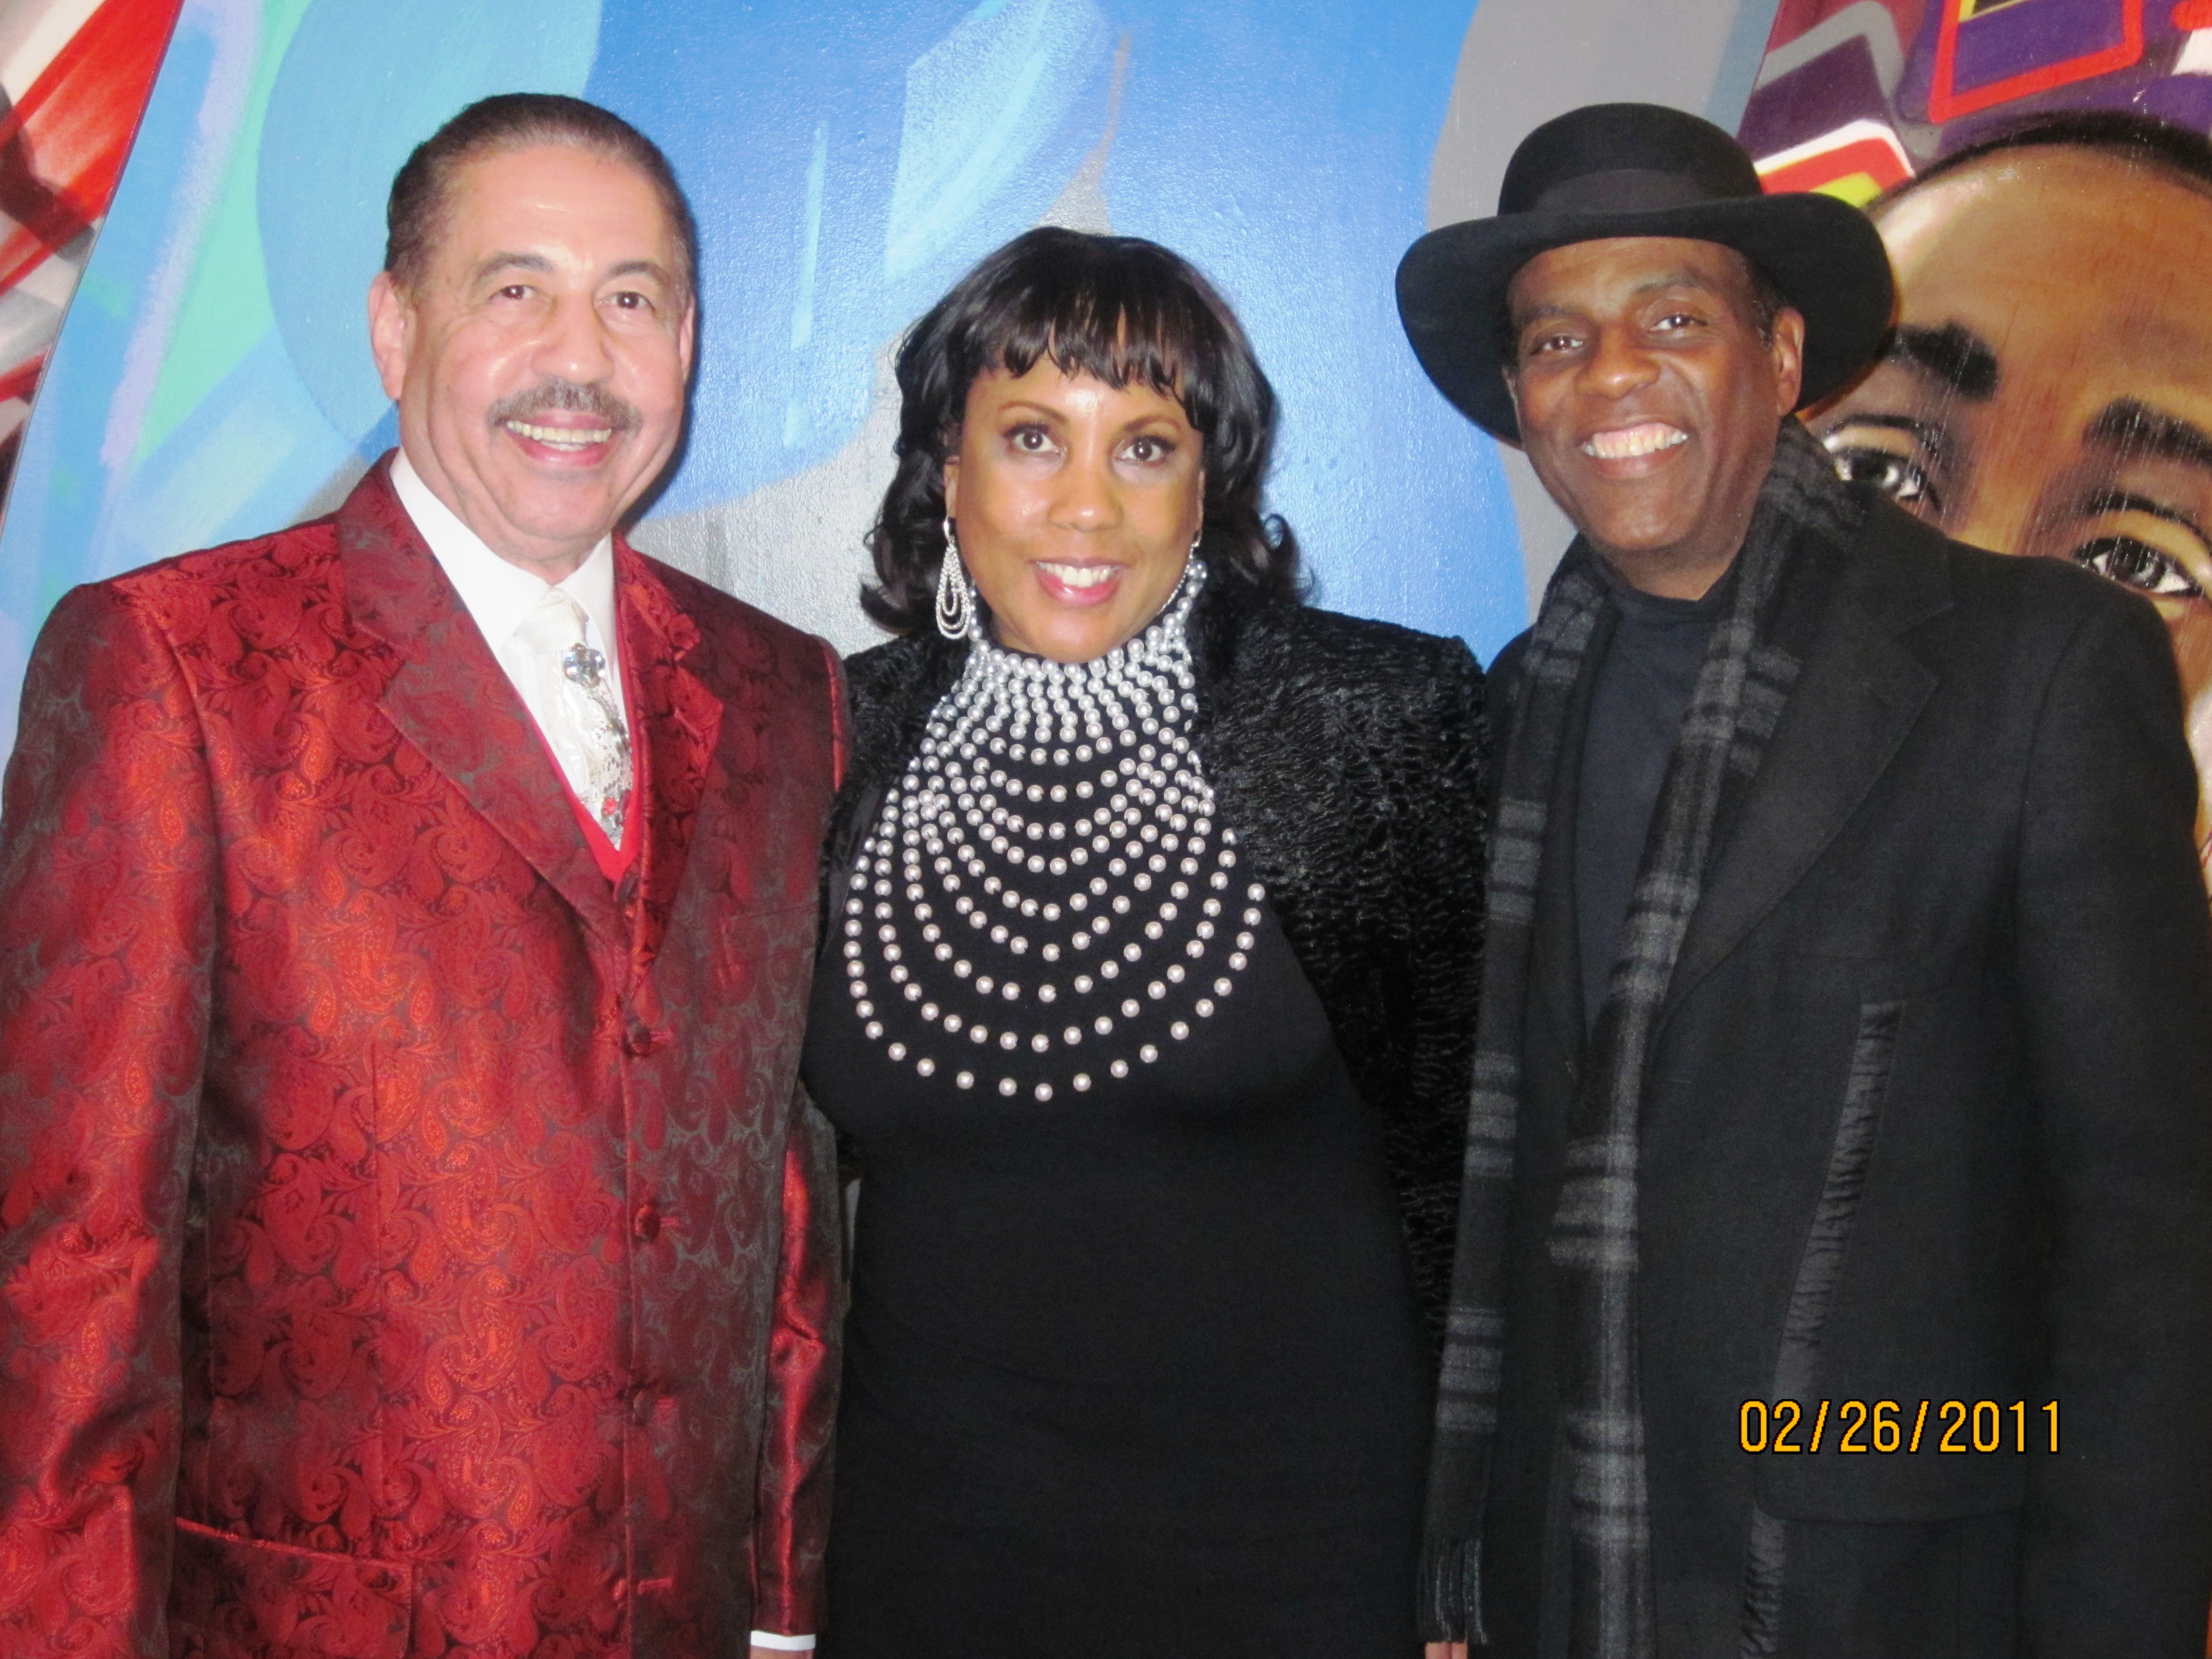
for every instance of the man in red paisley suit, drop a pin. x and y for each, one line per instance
(408, 1242)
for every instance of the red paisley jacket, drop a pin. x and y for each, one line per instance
(409, 1244)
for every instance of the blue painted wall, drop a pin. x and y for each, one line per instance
(846, 161)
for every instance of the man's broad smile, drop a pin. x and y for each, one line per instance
(1629, 442)
(561, 437)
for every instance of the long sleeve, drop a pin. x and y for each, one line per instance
(2116, 965)
(108, 923)
(792, 1511)
(1440, 875)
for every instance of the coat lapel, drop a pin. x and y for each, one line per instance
(1859, 694)
(449, 697)
(677, 721)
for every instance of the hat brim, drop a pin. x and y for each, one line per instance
(1825, 255)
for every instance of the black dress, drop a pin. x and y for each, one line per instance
(1136, 1371)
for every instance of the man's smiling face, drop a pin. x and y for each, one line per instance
(539, 364)
(1649, 399)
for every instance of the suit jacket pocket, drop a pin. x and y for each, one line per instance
(235, 1596)
(1928, 1485)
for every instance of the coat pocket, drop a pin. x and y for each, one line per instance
(1907, 1469)
(241, 1598)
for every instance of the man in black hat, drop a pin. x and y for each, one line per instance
(1835, 1270)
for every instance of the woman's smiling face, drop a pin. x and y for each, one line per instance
(1076, 503)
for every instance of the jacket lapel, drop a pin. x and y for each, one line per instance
(677, 721)
(1859, 693)
(449, 697)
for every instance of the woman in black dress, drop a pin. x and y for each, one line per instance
(1145, 1007)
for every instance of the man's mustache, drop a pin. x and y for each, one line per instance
(568, 396)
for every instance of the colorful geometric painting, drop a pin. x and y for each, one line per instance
(75, 75)
(2049, 389)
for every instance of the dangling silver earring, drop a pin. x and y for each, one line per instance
(955, 600)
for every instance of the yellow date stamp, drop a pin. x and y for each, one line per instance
(1882, 1426)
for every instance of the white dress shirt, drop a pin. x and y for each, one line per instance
(499, 595)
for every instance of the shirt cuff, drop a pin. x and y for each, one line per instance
(768, 1638)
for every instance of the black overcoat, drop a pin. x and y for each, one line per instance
(1929, 1120)
(1350, 757)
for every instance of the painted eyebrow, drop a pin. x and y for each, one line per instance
(1955, 356)
(2137, 428)
(1933, 437)
(2125, 500)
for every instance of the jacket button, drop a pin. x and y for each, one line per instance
(639, 1038)
(646, 1223)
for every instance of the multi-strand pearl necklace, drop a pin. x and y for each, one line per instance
(1034, 908)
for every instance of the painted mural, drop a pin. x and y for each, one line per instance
(2041, 175)
(74, 78)
(847, 162)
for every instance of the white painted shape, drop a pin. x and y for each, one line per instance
(31, 32)
(54, 278)
(2196, 54)
(27, 325)
(1849, 133)
(978, 105)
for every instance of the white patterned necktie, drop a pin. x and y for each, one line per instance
(582, 717)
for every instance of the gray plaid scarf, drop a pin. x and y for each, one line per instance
(1733, 710)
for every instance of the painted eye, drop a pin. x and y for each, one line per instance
(2138, 565)
(1900, 477)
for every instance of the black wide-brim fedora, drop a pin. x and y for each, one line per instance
(1639, 170)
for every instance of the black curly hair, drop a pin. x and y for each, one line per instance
(1121, 310)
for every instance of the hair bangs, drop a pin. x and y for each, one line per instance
(1102, 320)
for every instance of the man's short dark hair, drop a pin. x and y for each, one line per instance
(415, 216)
(2123, 135)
